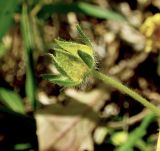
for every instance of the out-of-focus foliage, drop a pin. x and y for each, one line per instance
(30, 85)
(81, 7)
(7, 10)
(12, 100)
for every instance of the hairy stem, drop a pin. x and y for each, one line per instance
(124, 89)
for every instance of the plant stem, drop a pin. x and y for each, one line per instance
(124, 89)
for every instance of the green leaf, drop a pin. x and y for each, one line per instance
(83, 8)
(12, 100)
(56, 63)
(60, 80)
(83, 36)
(86, 58)
(29, 47)
(7, 10)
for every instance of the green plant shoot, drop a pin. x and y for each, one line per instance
(76, 61)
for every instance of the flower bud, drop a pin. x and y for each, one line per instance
(74, 61)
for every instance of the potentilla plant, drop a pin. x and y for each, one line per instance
(75, 62)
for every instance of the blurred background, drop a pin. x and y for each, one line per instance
(36, 115)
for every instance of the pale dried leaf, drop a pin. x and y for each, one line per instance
(68, 128)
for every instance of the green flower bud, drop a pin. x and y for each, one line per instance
(74, 61)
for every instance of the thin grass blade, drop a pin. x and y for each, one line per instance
(29, 47)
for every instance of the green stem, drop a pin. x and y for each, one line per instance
(124, 89)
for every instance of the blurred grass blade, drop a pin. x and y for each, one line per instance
(12, 100)
(7, 9)
(81, 7)
(24, 146)
(29, 46)
(137, 134)
(98, 12)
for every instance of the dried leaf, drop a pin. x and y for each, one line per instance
(69, 128)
